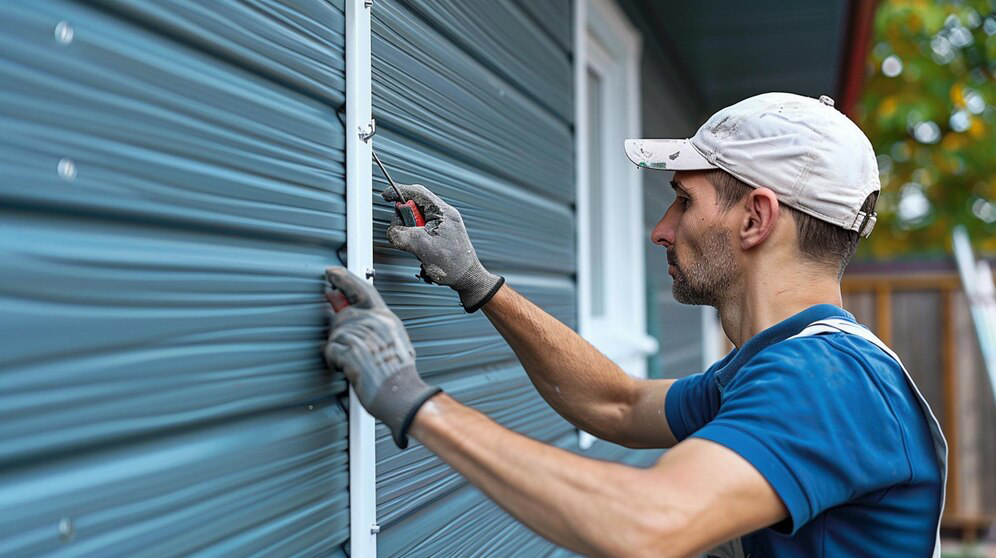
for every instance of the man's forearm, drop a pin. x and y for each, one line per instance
(577, 380)
(589, 506)
(574, 377)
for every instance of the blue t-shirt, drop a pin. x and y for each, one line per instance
(832, 424)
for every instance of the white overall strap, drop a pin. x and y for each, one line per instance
(832, 325)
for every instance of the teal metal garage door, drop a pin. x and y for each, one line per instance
(171, 183)
(475, 99)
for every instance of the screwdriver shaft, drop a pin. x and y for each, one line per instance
(387, 176)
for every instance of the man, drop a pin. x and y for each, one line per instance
(808, 439)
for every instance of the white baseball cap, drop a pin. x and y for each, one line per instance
(813, 157)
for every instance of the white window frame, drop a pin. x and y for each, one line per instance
(606, 42)
(359, 259)
(713, 337)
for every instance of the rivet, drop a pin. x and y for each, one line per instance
(67, 169)
(64, 32)
(374, 529)
(371, 273)
(311, 407)
(66, 529)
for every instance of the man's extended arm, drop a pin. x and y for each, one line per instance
(699, 495)
(576, 379)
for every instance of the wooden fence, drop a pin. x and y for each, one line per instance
(924, 317)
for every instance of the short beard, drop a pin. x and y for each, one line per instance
(711, 277)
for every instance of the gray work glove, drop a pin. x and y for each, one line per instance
(370, 345)
(443, 247)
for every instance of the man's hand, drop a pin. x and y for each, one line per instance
(443, 247)
(370, 345)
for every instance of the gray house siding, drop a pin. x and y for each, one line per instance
(172, 184)
(473, 99)
(161, 285)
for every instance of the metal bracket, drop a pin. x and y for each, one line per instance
(368, 131)
(368, 3)
(374, 529)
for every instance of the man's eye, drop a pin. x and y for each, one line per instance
(684, 201)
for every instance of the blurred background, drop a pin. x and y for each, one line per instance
(927, 104)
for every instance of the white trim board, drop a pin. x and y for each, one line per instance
(580, 165)
(359, 259)
(608, 46)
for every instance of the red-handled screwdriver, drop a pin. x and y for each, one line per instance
(338, 300)
(410, 215)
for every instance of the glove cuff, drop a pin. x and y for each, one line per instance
(401, 434)
(399, 399)
(476, 287)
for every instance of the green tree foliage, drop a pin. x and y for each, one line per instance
(928, 108)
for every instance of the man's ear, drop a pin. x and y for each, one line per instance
(761, 213)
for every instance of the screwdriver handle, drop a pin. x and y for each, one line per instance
(338, 300)
(410, 215)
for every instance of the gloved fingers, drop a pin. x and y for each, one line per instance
(435, 207)
(409, 239)
(422, 195)
(365, 330)
(430, 224)
(347, 346)
(431, 205)
(423, 274)
(343, 317)
(336, 299)
(358, 292)
(417, 192)
(402, 344)
(390, 195)
(335, 354)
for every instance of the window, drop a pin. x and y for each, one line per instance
(611, 283)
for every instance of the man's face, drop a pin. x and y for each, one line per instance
(697, 235)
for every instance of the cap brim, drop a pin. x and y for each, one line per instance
(666, 154)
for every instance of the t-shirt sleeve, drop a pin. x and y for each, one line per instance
(813, 421)
(691, 402)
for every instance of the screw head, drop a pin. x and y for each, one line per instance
(64, 33)
(67, 169)
(66, 529)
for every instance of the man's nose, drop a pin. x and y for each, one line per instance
(663, 233)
